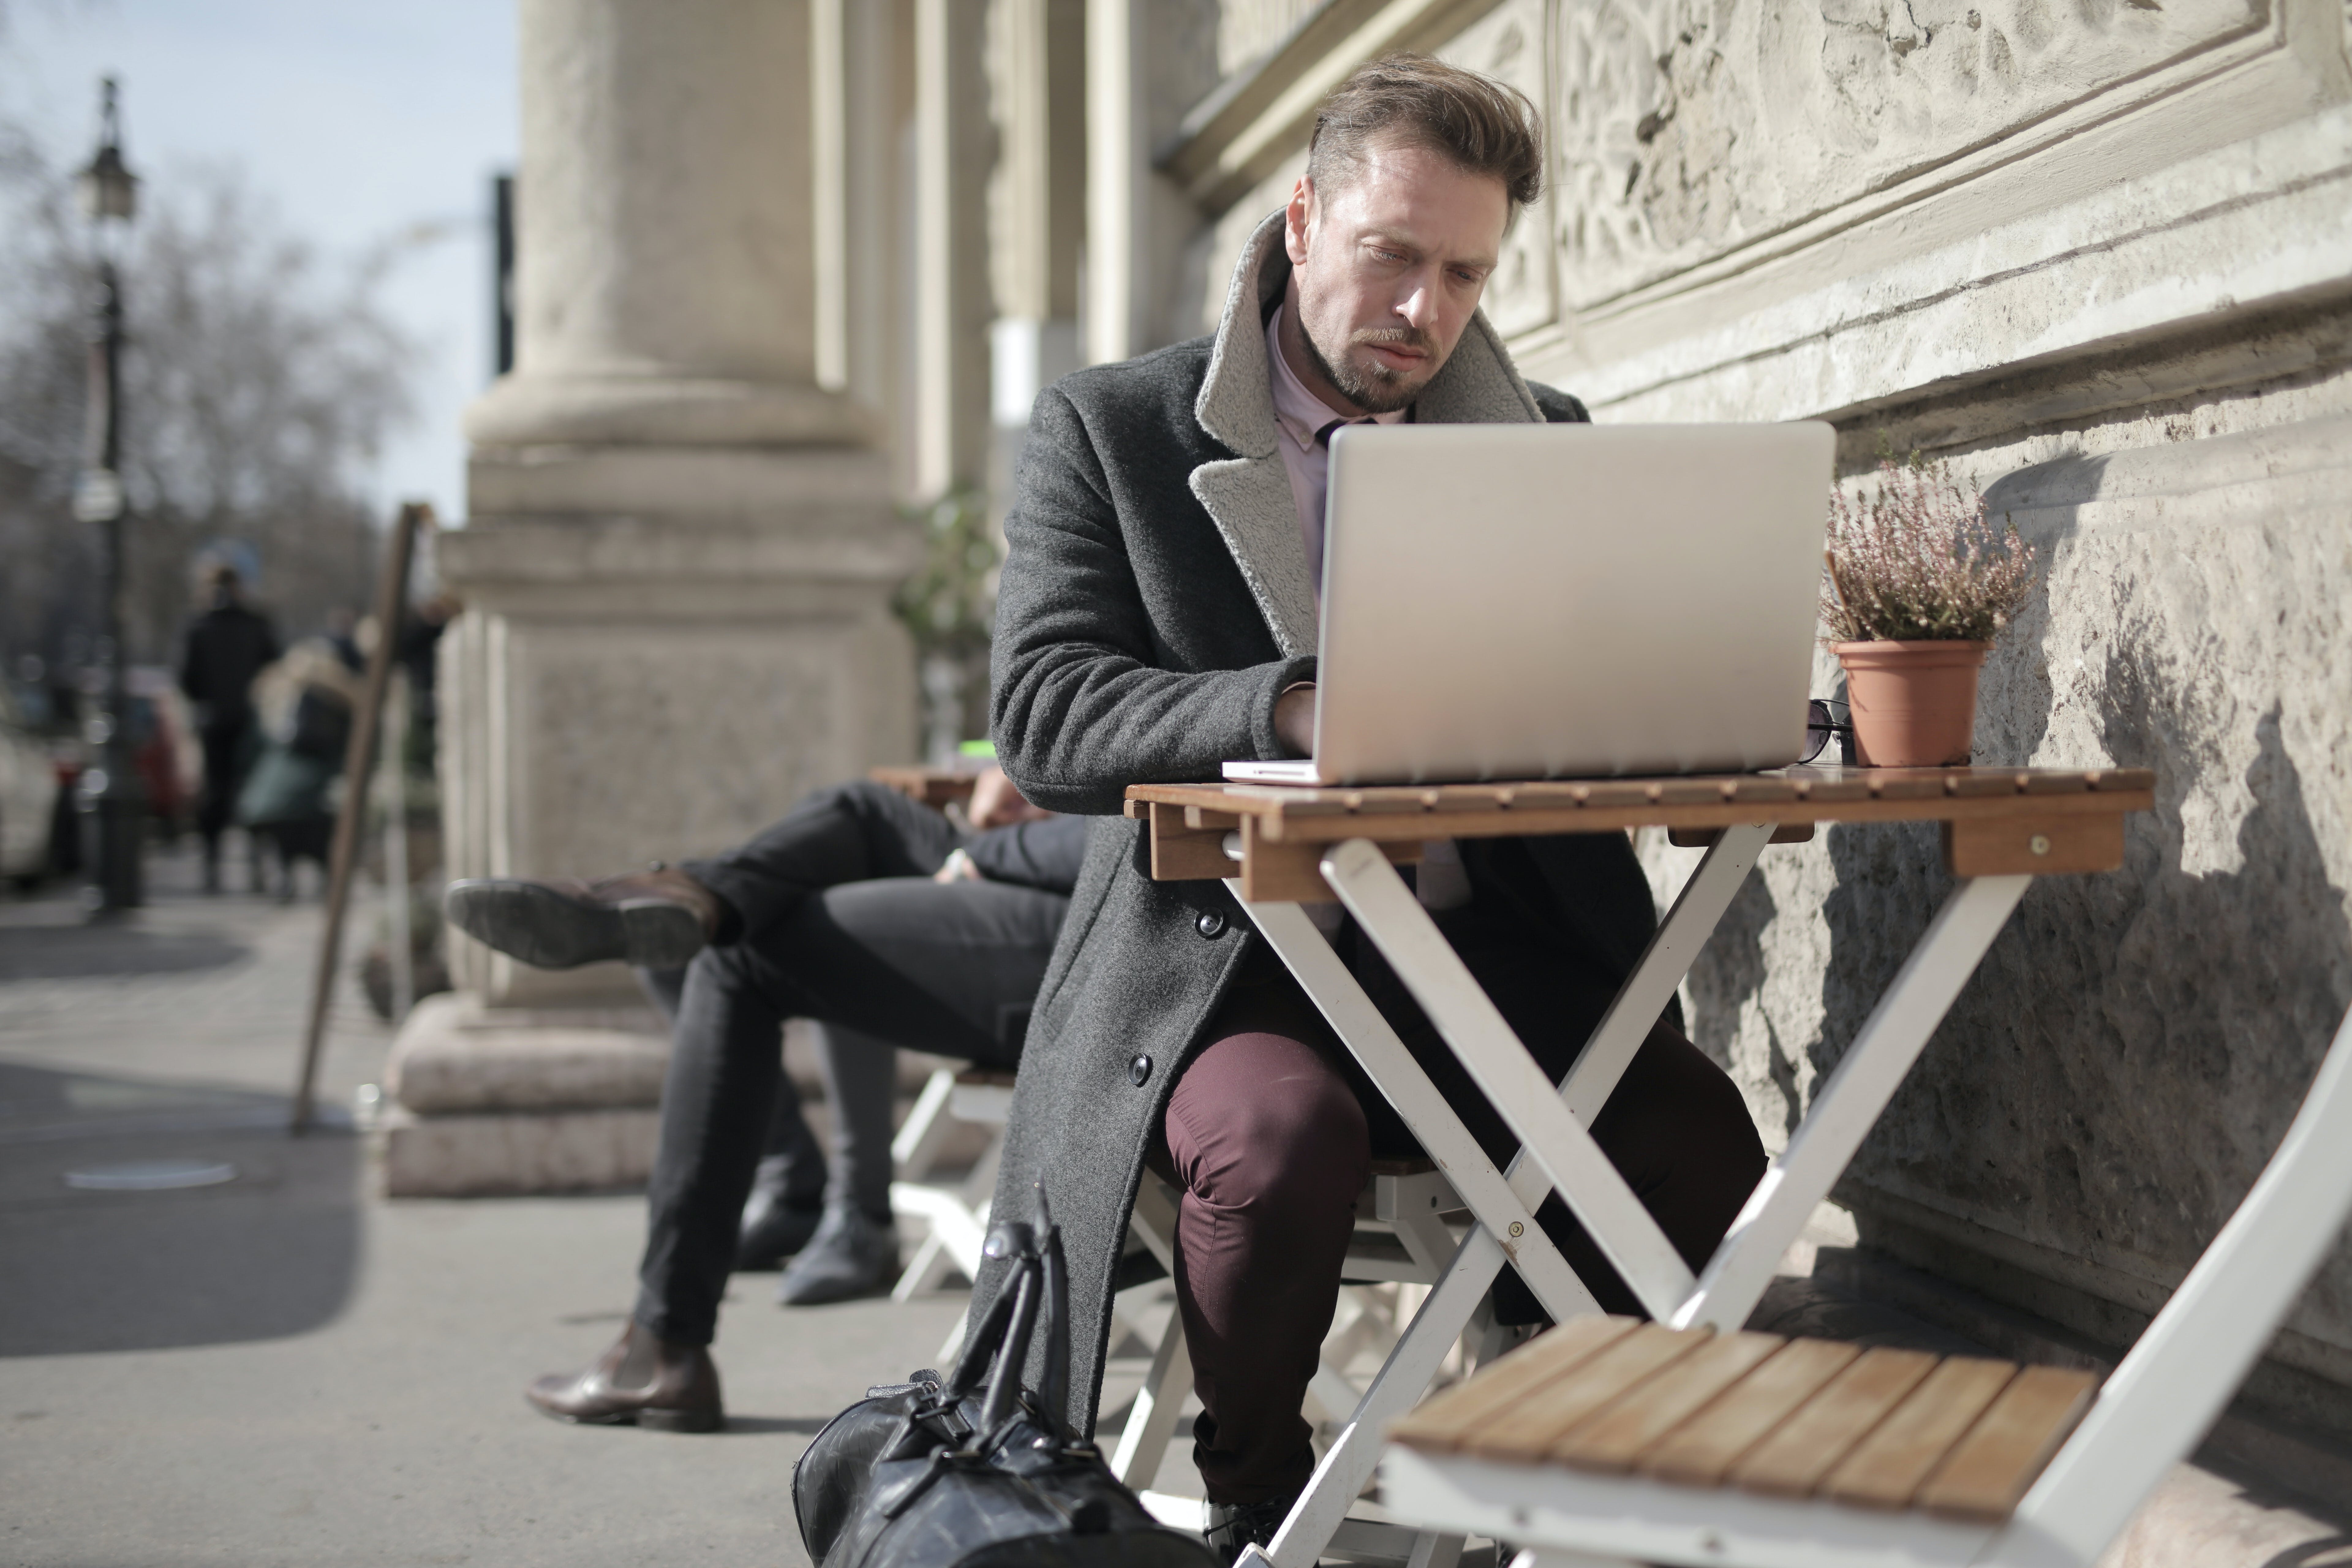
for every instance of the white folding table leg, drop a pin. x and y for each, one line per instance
(1434, 1123)
(1529, 1101)
(1403, 1378)
(1848, 1105)
(1348, 1464)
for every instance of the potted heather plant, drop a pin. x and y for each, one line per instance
(1919, 584)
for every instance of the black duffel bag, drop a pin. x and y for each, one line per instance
(932, 1474)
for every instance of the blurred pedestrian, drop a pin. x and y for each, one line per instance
(306, 703)
(228, 645)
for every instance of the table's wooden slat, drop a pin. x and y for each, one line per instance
(2033, 845)
(1614, 1439)
(1528, 1428)
(1702, 1450)
(1988, 1472)
(1793, 1460)
(2078, 813)
(1183, 853)
(1442, 1423)
(1888, 1467)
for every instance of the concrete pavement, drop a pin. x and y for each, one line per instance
(281, 1367)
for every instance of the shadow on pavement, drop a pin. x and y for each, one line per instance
(81, 951)
(271, 1251)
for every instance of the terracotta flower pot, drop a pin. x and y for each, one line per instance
(1914, 703)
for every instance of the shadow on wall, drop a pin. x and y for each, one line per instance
(270, 1253)
(2124, 1062)
(2119, 1070)
(1731, 972)
(2015, 694)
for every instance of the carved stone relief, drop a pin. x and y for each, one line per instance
(1685, 128)
(1508, 43)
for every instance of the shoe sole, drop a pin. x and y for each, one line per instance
(653, 1420)
(549, 929)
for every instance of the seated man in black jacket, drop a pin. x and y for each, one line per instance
(860, 909)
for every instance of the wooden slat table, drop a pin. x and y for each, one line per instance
(1279, 848)
(1996, 821)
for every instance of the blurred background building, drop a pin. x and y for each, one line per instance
(791, 271)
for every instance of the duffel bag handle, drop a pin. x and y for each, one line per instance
(1038, 1288)
(1054, 1387)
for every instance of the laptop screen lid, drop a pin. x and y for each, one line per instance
(1534, 601)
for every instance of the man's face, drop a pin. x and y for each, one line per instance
(1387, 267)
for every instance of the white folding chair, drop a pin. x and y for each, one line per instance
(957, 1217)
(1607, 1443)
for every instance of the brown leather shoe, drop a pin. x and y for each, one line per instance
(641, 1380)
(657, 919)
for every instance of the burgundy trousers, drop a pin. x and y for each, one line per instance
(1270, 1134)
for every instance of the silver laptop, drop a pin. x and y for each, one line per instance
(1548, 601)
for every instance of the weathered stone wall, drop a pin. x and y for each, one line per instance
(2099, 258)
(2099, 255)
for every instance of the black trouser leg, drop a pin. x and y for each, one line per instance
(725, 1069)
(851, 833)
(951, 969)
(224, 748)
(860, 1072)
(791, 1162)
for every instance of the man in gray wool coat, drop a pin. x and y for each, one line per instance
(1158, 618)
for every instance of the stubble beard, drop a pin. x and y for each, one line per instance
(1373, 387)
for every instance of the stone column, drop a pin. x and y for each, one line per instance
(1037, 210)
(681, 547)
(952, 154)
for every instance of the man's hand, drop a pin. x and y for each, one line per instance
(1294, 719)
(996, 804)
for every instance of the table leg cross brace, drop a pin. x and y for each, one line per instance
(1419, 1351)
(1501, 1066)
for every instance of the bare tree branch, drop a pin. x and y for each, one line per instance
(259, 384)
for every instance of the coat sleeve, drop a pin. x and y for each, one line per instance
(1080, 707)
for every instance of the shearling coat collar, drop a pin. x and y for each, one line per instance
(1249, 496)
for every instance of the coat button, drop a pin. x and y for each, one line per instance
(1137, 1070)
(1211, 924)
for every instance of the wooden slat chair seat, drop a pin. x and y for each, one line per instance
(1953, 1437)
(1609, 1442)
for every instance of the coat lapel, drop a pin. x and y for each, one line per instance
(1248, 497)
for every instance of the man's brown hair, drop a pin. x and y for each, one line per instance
(1482, 125)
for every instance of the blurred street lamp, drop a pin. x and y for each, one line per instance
(112, 797)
